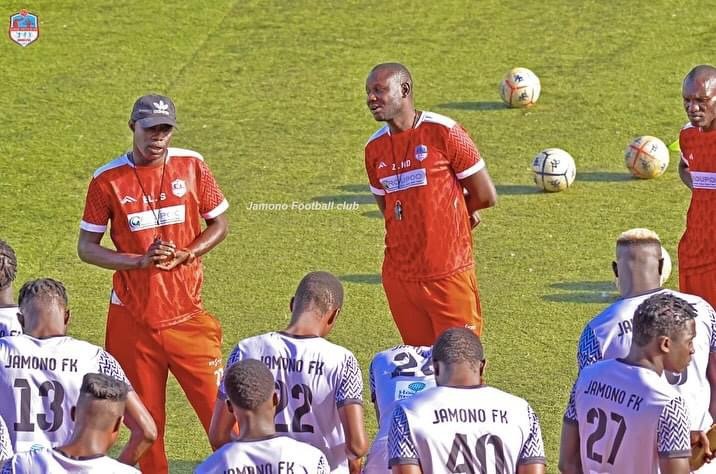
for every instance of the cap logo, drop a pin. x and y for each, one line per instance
(161, 107)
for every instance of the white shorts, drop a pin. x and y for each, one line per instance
(377, 460)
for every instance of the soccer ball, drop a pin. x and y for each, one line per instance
(666, 267)
(520, 88)
(646, 157)
(554, 170)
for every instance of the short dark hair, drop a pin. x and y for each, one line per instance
(104, 387)
(8, 265)
(321, 289)
(662, 314)
(398, 69)
(43, 287)
(248, 383)
(458, 345)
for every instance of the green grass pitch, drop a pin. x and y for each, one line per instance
(272, 93)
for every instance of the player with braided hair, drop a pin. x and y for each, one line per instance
(9, 324)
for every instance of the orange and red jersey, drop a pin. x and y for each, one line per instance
(428, 235)
(189, 192)
(697, 248)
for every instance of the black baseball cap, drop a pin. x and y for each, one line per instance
(151, 110)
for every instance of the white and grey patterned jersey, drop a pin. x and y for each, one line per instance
(623, 409)
(470, 429)
(275, 454)
(609, 334)
(395, 374)
(6, 450)
(9, 324)
(314, 378)
(40, 382)
(51, 461)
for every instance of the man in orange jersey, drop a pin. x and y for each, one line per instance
(697, 169)
(155, 198)
(418, 164)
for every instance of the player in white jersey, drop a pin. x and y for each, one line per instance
(249, 385)
(9, 324)
(318, 383)
(623, 416)
(6, 451)
(463, 425)
(41, 374)
(98, 418)
(395, 374)
(608, 336)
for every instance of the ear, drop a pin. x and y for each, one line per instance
(118, 425)
(333, 316)
(229, 406)
(73, 412)
(274, 400)
(665, 344)
(615, 268)
(405, 89)
(67, 317)
(290, 304)
(661, 266)
(131, 125)
(21, 320)
(483, 366)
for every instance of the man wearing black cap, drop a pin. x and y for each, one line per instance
(155, 198)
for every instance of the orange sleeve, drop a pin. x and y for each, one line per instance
(212, 202)
(97, 209)
(462, 153)
(375, 186)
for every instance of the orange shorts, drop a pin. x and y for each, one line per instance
(190, 349)
(700, 283)
(422, 310)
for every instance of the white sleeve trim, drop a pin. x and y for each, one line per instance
(217, 211)
(471, 170)
(377, 191)
(100, 229)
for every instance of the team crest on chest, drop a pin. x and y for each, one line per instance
(421, 152)
(178, 187)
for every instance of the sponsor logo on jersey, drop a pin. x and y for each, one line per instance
(151, 219)
(406, 389)
(24, 28)
(421, 152)
(178, 187)
(382, 165)
(128, 200)
(402, 181)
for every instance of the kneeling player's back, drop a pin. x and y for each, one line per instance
(40, 380)
(445, 427)
(314, 378)
(277, 454)
(52, 461)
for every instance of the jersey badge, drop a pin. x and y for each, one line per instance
(178, 187)
(421, 152)
(24, 28)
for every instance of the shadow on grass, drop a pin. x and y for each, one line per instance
(355, 188)
(516, 189)
(583, 292)
(372, 214)
(346, 198)
(364, 278)
(603, 176)
(481, 105)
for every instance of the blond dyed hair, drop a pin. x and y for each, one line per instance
(639, 235)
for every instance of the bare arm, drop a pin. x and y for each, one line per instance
(530, 469)
(91, 251)
(143, 430)
(569, 461)
(380, 201)
(481, 192)
(684, 174)
(356, 439)
(674, 465)
(711, 377)
(222, 426)
(406, 469)
(215, 231)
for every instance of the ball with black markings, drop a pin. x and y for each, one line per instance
(554, 170)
